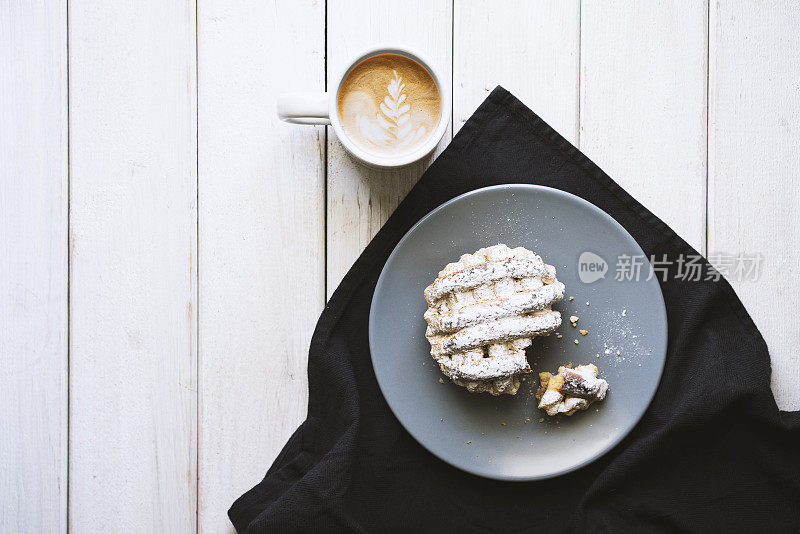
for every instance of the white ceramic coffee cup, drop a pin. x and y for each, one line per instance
(321, 108)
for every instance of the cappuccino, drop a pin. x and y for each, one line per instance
(389, 104)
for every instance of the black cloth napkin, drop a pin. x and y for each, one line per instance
(712, 453)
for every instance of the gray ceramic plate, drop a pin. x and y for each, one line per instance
(502, 437)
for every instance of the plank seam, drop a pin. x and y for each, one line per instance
(197, 266)
(69, 274)
(580, 68)
(708, 122)
(325, 171)
(452, 65)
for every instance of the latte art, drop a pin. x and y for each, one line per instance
(389, 104)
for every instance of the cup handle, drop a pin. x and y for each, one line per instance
(304, 108)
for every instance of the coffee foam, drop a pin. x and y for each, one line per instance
(389, 104)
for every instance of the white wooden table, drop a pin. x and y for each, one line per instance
(166, 244)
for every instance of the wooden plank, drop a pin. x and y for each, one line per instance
(643, 104)
(532, 52)
(262, 238)
(33, 266)
(133, 161)
(754, 190)
(360, 199)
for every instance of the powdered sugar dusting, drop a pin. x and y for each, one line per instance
(621, 338)
(484, 310)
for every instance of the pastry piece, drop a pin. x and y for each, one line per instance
(570, 390)
(484, 311)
